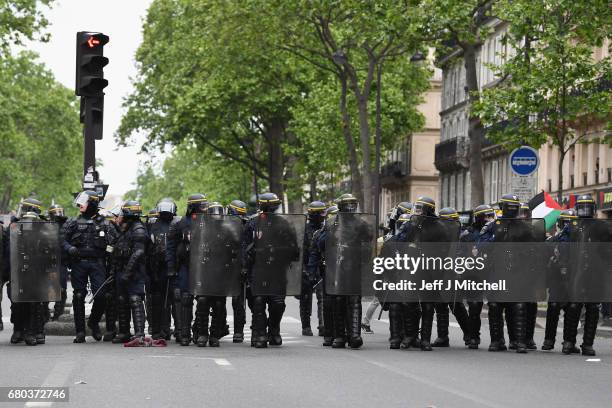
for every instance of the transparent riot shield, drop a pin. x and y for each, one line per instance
(349, 250)
(35, 261)
(518, 261)
(214, 268)
(278, 248)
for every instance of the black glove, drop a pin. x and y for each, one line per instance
(73, 252)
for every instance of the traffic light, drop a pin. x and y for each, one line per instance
(90, 63)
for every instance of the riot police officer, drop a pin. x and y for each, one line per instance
(129, 255)
(161, 293)
(238, 208)
(86, 240)
(482, 216)
(177, 258)
(458, 308)
(314, 221)
(56, 214)
(585, 210)
(266, 329)
(558, 271)
(400, 209)
(27, 317)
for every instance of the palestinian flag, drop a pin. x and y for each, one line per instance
(544, 206)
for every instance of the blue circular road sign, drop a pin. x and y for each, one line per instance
(524, 161)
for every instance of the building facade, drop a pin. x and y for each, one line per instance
(408, 171)
(587, 167)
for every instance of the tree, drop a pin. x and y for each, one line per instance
(551, 84)
(351, 40)
(183, 173)
(21, 19)
(461, 25)
(40, 136)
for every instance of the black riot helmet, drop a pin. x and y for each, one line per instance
(403, 208)
(424, 206)
(347, 203)
(449, 213)
(87, 201)
(215, 208)
(56, 212)
(509, 205)
(196, 204)
(316, 212)
(401, 220)
(566, 217)
(131, 210)
(524, 211)
(585, 206)
(483, 214)
(331, 211)
(268, 202)
(29, 205)
(166, 206)
(237, 207)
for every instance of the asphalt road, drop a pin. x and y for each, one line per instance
(302, 373)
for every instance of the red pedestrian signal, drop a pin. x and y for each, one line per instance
(90, 63)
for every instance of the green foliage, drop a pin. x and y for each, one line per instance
(552, 84)
(40, 136)
(21, 19)
(184, 173)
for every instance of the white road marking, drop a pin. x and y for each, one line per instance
(593, 359)
(451, 324)
(56, 378)
(222, 362)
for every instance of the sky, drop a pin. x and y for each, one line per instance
(121, 20)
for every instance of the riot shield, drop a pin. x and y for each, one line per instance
(35, 261)
(518, 261)
(214, 268)
(591, 265)
(278, 251)
(349, 250)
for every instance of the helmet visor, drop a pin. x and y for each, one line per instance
(81, 200)
(166, 206)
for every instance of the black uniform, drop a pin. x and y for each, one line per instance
(307, 290)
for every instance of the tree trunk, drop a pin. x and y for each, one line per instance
(275, 134)
(357, 184)
(560, 173)
(313, 188)
(475, 128)
(364, 136)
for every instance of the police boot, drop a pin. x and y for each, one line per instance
(111, 316)
(239, 319)
(17, 318)
(519, 326)
(259, 338)
(40, 320)
(532, 314)
(202, 309)
(60, 306)
(97, 310)
(123, 315)
(475, 308)
(328, 320)
(409, 315)
(78, 308)
(187, 312)
(591, 318)
(277, 308)
(496, 327)
(306, 311)
(395, 325)
(552, 321)
(319, 294)
(426, 325)
(138, 316)
(219, 322)
(461, 315)
(148, 304)
(442, 318)
(32, 324)
(339, 322)
(570, 328)
(509, 310)
(353, 319)
(177, 313)
(156, 315)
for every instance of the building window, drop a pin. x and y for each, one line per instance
(609, 174)
(571, 181)
(584, 179)
(549, 185)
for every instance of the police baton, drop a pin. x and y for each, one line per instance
(108, 280)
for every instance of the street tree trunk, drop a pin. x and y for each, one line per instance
(357, 183)
(276, 162)
(475, 128)
(560, 172)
